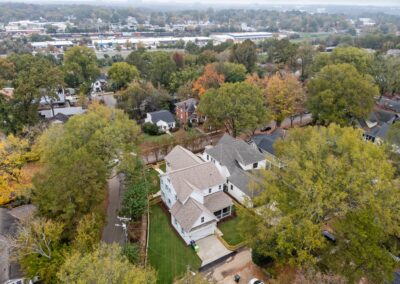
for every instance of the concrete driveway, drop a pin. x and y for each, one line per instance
(211, 249)
(240, 264)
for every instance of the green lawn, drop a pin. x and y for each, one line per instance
(152, 176)
(167, 252)
(163, 167)
(230, 230)
(154, 138)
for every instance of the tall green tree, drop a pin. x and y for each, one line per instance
(77, 159)
(80, 67)
(121, 74)
(159, 67)
(232, 72)
(244, 53)
(238, 107)
(339, 93)
(104, 265)
(332, 182)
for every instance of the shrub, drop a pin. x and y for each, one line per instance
(132, 253)
(150, 128)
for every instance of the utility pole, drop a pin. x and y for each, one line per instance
(124, 221)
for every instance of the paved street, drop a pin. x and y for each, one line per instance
(108, 98)
(112, 233)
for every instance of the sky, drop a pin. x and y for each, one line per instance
(226, 2)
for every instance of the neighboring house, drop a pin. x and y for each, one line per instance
(193, 192)
(100, 84)
(67, 111)
(392, 104)
(377, 125)
(59, 118)
(162, 118)
(265, 144)
(186, 111)
(235, 160)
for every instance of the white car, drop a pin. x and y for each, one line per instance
(255, 281)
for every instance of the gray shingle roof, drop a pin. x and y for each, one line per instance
(180, 158)
(163, 115)
(187, 214)
(266, 141)
(188, 105)
(201, 176)
(217, 201)
(229, 150)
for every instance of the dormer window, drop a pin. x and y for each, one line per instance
(255, 165)
(202, 219)
(208, 157)
(209, 190)
(219, 187)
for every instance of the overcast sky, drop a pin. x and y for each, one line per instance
(226, 2)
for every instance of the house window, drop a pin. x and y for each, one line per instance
(202, 220)
(231, 187)
(176, 221)
(219, 187)
(255, 165)
(182, 231)
(208, 157)
(209, 190)
(169, 201)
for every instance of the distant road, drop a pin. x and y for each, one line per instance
(108, 98)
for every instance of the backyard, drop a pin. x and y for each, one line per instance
(152, 176)
(167, 252)
(230, 230)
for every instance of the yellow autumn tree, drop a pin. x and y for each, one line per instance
(13, 156)
(284, 96)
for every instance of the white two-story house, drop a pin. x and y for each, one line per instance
(236, 160)
(192, 189)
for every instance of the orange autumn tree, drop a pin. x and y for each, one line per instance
(254, 79)
(210, 79)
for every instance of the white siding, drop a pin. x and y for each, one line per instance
(148, 118)
(214, 189)
(168, 194)
(260, 165)
(237, 193)
(203, 232)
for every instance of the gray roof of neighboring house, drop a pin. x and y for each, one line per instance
(188, 105)
(243, 180)
(59, 117)
(380, 131)
(390, 103)
(229, 150)
(201, 176)
(267, 141)
(217, 201)
(180, 158)
(187, 214)
(68, 111)
(163, 115)
(381, 116)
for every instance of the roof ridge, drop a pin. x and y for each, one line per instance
(189, 167)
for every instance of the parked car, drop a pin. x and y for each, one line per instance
(255, 281)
